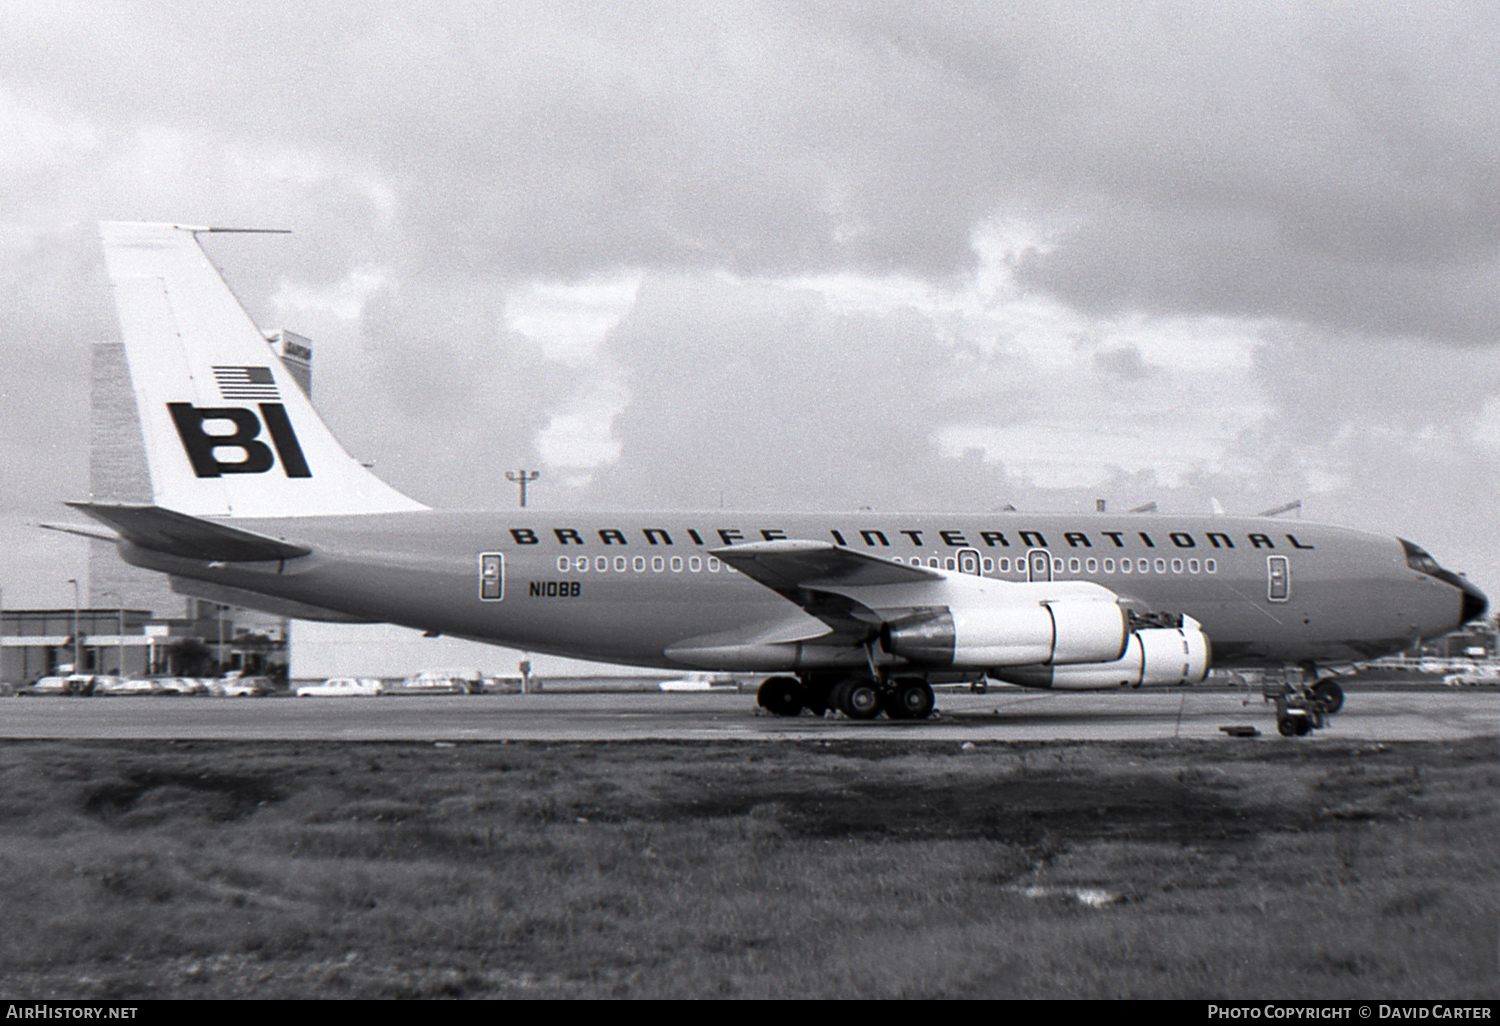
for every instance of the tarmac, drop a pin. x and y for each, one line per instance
(998, 715)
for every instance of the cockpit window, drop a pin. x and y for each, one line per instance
(1418, 559)
(1474, 602)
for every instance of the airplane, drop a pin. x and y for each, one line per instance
(256, 504)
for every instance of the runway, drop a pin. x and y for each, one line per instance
(1000, 715)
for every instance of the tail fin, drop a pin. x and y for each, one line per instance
(227, 430)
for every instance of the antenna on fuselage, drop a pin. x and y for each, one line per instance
(1285, 507)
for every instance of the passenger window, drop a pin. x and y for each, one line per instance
(563, 563)
(638, 564)
(619, 564)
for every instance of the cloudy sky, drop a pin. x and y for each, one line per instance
(795, 255)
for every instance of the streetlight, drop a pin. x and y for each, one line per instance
(74, 582)
(522, 477)
(119, 669)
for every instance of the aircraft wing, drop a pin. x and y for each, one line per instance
(818, 577)
(178, 534)
(791, 564)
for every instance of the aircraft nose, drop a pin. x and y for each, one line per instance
(1475, 602)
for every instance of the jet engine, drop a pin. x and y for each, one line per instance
(1154, 656)
(1073, 630)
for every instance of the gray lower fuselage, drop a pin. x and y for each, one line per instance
(624, 587)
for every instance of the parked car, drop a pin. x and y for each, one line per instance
(1487, 673)
(126, 686)
(440, 682)
(241, 687)
(47, 686)
(72, 684)
(698, 682)
(180, 686)
(341, 687)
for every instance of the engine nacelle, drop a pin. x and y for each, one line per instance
(1154, 657)
(1066, 630)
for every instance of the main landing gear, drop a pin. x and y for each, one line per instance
(857, 696)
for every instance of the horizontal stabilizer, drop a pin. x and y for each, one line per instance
(82, 532)
(177, 534)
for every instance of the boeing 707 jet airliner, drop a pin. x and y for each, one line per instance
(256, 504)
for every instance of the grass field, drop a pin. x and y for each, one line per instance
(1269, 869)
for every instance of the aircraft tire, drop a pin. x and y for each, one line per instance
(858, 698)
(1329, 695)
(910, 699)
(1286, 726)
(783, 696)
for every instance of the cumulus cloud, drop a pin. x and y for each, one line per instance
(803, 254)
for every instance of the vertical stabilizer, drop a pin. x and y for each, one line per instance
(227, 430)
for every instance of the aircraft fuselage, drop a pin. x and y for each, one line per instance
(624, 588)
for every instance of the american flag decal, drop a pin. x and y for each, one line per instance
(246, 383)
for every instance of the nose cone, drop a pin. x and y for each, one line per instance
(1475, 604)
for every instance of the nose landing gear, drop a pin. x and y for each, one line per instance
(1304, 708)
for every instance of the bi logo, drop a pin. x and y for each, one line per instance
(245, 436)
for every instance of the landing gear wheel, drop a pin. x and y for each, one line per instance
(783, 696)
(910, 699)
(857, 698)
(1328, 695)
(1286, 726)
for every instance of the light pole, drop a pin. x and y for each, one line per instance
(120, 638)
(74, 582)
(521, 477)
